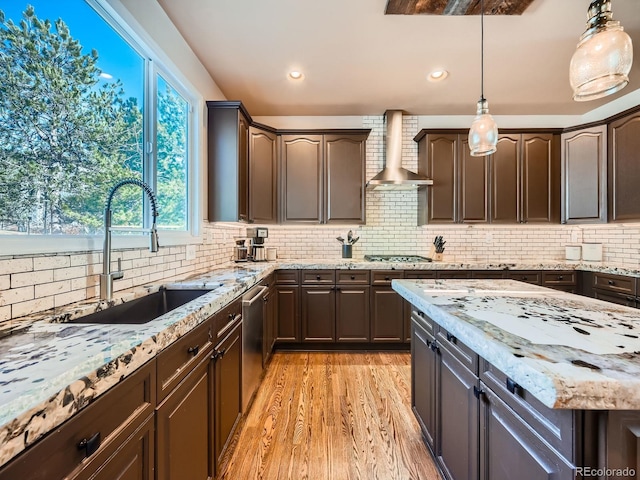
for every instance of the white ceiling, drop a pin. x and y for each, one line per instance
(358, 61)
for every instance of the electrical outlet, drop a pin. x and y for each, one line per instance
(191, 252)
(488, 237)
(575, 236)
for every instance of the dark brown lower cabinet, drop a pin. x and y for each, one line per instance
(227, 361)
(287, 300)
(457, 417)
(387, 316)
(318, 313)
(510, 448)
(184, 426)
(270, 325)
(133, 460)
(423, 378)
(352, 313)
(623, 442)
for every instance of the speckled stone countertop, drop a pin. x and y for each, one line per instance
(50, 369)
(568, 351)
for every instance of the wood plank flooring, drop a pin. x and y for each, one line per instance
(333, 416)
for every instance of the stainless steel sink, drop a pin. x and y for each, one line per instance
(144, 309)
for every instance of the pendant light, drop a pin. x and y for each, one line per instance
(483, 134)
(602, 61)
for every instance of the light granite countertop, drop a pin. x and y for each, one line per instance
(51, 369)
(569, 351)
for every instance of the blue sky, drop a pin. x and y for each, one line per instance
(115, 57)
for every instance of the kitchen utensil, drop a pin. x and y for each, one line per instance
(340, 239)
(353, 241)
(349, 237)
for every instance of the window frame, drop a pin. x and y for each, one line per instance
(156, 63)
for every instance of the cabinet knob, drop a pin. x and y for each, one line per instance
(611, 282)
(524, 278)
(512, 386)
(560, 277)
(194, 350)
(317, 277)
(353, 277)
(218, 354)
(434, 347)
(231, 316)
(90, 445)
(451, 338)
(477, 392)
(387, 278)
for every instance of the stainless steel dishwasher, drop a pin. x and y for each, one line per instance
(252, 332)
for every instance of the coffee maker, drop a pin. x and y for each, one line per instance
(256, 236)
(240, 251)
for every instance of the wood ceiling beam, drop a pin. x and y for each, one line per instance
(456, 7)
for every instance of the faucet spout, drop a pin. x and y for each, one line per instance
(107, 277)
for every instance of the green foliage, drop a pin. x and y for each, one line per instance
(65, 139)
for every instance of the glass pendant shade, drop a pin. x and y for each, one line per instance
(602, 61)
(483, 134)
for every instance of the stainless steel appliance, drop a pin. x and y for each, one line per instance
(240, 251)
(256, 237)
(396, 258)
(252, 332)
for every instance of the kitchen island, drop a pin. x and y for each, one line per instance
(535, 383)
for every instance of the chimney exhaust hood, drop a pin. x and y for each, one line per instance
(393, 176)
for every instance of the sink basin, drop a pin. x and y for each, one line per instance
(144, 309)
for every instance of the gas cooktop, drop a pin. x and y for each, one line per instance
(396, 258)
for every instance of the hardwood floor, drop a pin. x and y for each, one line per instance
(333, 416)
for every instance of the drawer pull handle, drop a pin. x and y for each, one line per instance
(194, 350)
(560, 277)
(90, 445)
(451, 338)
(477, 392)
(611, 282)
(512, 386)
(434, 347)
(353, 277)
(387, 278)
(524, 278)
(218, 354)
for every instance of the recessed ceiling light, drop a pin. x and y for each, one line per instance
(295, 74)
(437, 75)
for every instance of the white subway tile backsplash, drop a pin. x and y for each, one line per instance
(46, 263)
(16, 295)
(16, 265)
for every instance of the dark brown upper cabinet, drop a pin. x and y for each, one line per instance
(460, 182)
(263, 168)
(322, 177)
(518, 184)
(228, 162)
(301, 170)
(584, 175)
(624, 168)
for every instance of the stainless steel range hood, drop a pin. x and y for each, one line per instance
(393, 175)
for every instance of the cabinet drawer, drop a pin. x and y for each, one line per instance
(526, 276)
(105, 423)
(615, 297)
(349, 277)
(556, 426)
(425, 322)
(177, 360)
(288, 277)
(226, 318)
(487, 274)
(615, 283)
(459, 350)
(384, 277)
(318, 277)
(420, 275)
(559, 278)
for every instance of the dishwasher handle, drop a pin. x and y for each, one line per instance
(253, 296)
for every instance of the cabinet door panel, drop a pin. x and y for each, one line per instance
(505, 193)
(243, 168)
(442, 152)
(423, 380)
(537, 189)
(287, 311)
(184, 424)
(624, 169)
(584, 176)
(262, 176)
(457, 444)
(474, 182)
(345, 178)
(510, 449)
(387, 315)
(352, 314)
(318, 314)
(302, 178)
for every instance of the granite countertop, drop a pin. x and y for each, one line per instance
(50, 369)
(569, 351)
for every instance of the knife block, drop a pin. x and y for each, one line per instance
(437, 257)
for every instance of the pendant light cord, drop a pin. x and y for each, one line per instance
(482, 49)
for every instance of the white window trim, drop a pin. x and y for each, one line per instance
(130, 29)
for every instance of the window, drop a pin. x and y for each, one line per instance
(82, 106)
